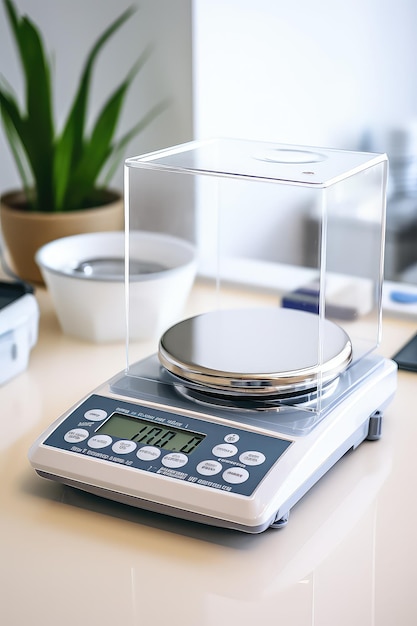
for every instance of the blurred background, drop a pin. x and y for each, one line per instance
(327, 73)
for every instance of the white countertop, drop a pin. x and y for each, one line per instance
(346, 558)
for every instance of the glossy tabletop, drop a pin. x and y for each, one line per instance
(347, 556)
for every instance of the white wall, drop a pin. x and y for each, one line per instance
(71, 26)
(302, 71)
(326, 73)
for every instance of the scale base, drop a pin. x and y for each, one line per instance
(291, 455)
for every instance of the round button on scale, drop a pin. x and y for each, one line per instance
(95, 415)
(174, 459)
(224, 450)
(252, 457)
(123, 446)
(99, 441)
(235, 475)
(232, 438)
(148, 453)
(209, 468)
(76, 435)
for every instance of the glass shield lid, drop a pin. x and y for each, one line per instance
(265, 351)
(258, 160)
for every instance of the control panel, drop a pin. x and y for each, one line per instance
(148, 439)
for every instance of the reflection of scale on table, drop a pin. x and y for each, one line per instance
(243, 410)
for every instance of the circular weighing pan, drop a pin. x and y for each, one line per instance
(256, 351)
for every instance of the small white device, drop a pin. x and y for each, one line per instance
(19, 319)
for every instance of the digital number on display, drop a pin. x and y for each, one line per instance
(151, 434)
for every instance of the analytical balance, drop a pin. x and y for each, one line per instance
(243, 409)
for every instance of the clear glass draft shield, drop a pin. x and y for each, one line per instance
(254, 273)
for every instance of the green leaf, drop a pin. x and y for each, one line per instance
(10, 111)
(72, 140)
(62, 169)
(19, 154)
(39, 128)
(97, 150)
(118, 148)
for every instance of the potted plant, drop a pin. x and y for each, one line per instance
(65, 175)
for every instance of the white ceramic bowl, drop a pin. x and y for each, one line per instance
(89, 294)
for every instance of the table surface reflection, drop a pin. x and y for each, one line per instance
(66, 557)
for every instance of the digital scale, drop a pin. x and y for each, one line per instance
(243, 409)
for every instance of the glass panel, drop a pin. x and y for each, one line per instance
(278, 248)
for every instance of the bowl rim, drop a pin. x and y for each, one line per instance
(68, 272)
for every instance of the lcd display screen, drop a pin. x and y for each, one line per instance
(149, 433)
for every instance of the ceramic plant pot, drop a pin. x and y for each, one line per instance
(24, 232)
